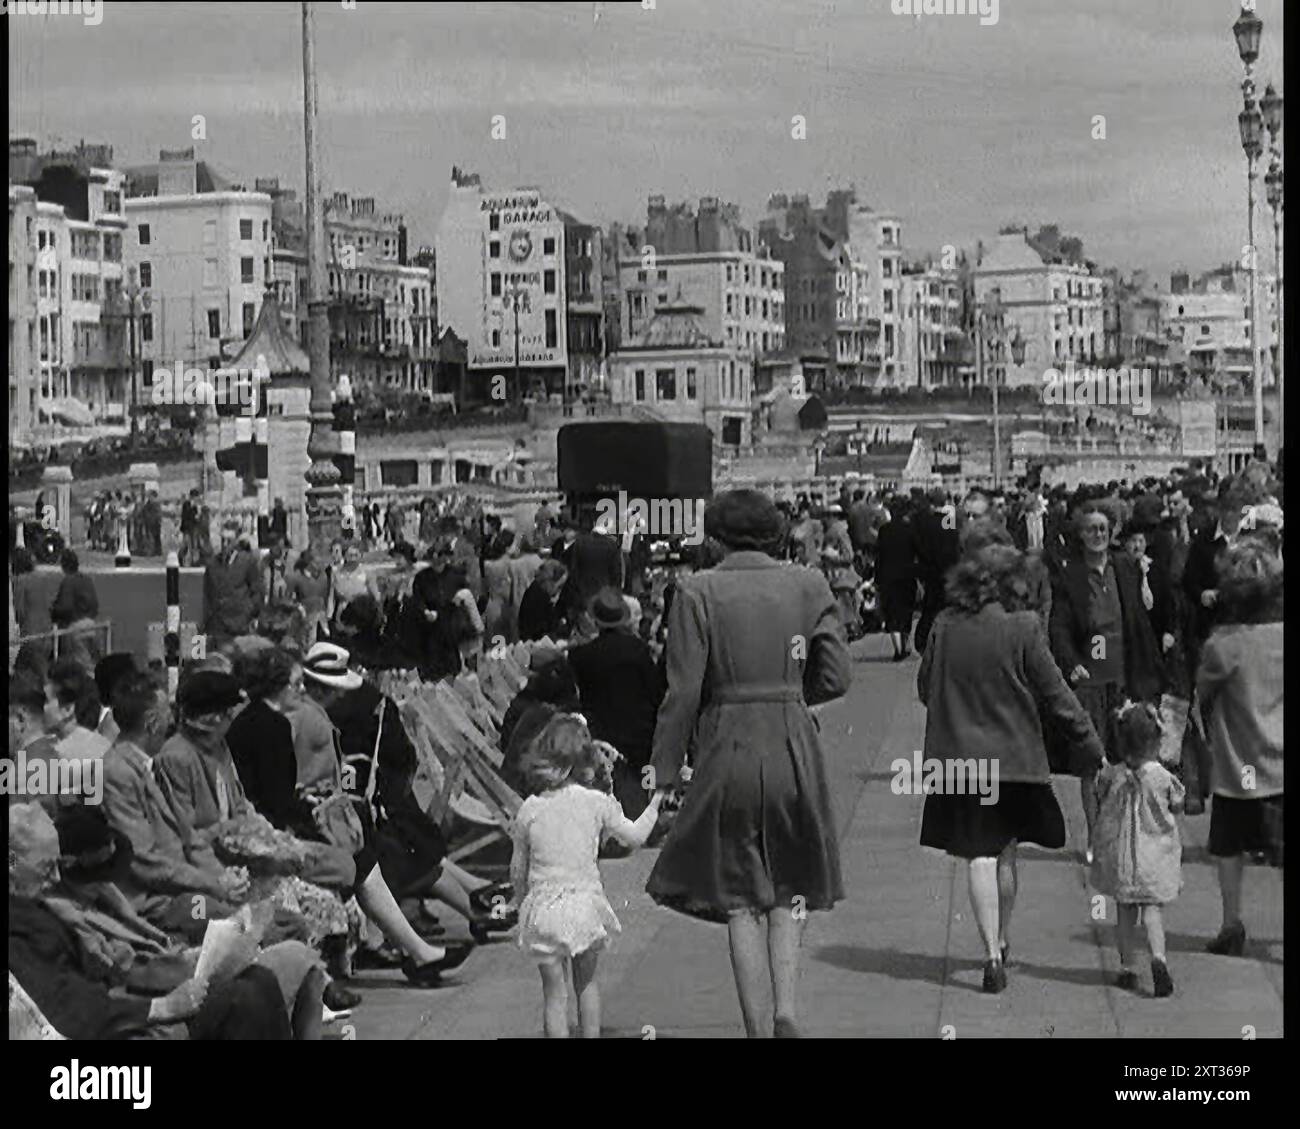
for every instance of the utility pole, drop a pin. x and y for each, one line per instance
(324, 496)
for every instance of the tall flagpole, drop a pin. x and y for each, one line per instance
(324, 496)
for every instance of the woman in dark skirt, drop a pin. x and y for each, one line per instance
(896, 575)
(1240, 689)
(751, 644)
(986, 678)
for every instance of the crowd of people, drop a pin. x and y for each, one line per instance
(109, 512)
(1085, 632)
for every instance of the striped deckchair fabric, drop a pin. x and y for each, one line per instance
(455, 728)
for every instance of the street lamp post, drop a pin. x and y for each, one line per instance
(324, 496)
(990, 315)
(1271, 108)
(132, 295)
(1247, 31)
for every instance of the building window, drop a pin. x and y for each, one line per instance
(209, 233)
(548, 282)
(146, 371)
(146, 275)
(666, 384)
(266, 230)
(494, 221)
(494, 249)
(640, 276)
(730, 276)
(248, 320)
(663, 276)
(146, 327)
(552, 330)
(749, 305)
(495, 283)
(246, 270)
(399, 472)
(214, 324)
(639, 390)
(496, 339)
(548, 245)
(692, 388)
(143, 232)
(245, 229)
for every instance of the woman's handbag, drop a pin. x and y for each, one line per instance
(337, 820)
(1195, 764)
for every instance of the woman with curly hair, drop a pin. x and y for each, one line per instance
(1240, 690)
(988, 682)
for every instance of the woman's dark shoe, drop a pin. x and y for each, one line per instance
(1160, 978)
(1006, 956)
(783, 1028)
(1127, 980)
(995, 977)
(1231, 941)
(428, 975)
(373, 959)
(483, 899)
(338, 998)
(493, 923)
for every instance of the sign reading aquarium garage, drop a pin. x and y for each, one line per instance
(522, 239)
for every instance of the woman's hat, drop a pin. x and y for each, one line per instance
(327, 664)
(609, 609)
(208, 692)
(744, 519)
(90, 849)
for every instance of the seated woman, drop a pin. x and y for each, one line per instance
(60, 951)
(320, 777)
(412, 851)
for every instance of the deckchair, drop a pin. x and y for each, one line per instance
(25, 1019)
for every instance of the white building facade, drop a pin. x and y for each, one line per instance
(501, 282)
(1056, 306)
(201, 262)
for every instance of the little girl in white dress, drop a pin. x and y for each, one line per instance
(564, 916)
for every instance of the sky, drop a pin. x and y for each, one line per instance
(957, 127)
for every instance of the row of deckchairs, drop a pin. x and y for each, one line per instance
(455, 726)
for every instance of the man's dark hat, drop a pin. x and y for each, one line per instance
(208, 692)
(91, 850)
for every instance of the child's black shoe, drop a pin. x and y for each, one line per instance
(1160, 979)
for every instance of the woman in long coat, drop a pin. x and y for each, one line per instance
(896, 574)
(752, 643)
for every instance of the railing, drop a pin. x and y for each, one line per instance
(100, 630)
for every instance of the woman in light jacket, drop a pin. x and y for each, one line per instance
(752, 643)
(1240, 690)
(987, 677)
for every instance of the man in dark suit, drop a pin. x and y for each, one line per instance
(1201, 573)
(232, 590)
(461, 553)
(936, 552)
(620, 688)
(1101, 636)
(595, 561)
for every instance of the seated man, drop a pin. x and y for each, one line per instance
(164, 883)
(72, 960)
(70, 688)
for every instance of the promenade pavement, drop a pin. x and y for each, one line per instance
(900, 957)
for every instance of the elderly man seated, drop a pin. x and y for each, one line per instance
(90, 965)
(172, 883)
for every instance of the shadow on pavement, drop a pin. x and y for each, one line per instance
(898, 965)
